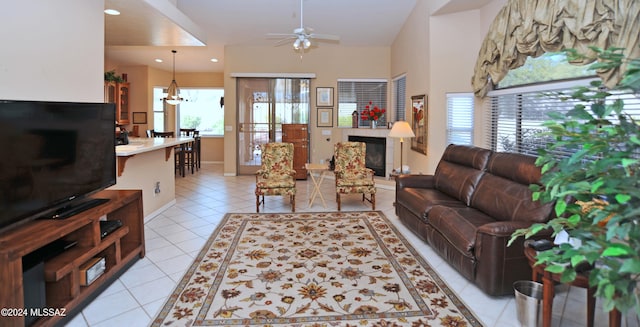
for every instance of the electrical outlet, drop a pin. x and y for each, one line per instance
(156, 190)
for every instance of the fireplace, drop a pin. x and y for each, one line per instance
(376, 152)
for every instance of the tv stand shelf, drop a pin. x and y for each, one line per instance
(120, 249)
(64, 263)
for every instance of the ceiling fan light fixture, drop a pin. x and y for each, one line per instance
(173, 92)
(112, 12)
(302, 36)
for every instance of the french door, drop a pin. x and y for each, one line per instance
(264, 104)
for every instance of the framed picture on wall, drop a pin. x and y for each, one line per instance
(419, 114)
(139, 117)
(325, 117)
(324, 96)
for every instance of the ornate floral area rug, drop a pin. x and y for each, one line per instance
(311, 269)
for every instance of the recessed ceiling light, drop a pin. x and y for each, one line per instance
(214, 59)
(112, 12)
(158, 60)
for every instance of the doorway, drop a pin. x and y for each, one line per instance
(264, 104)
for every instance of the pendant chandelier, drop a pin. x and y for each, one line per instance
(173, 92)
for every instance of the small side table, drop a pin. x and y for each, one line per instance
(548, 279)
(321, 170)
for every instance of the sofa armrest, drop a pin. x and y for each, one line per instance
(500, 265)
(416, 181)
(503, 228)
(506, 228)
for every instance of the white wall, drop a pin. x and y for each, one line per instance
(410, 56)
(454, 49)
(52, 50)
(438, 55)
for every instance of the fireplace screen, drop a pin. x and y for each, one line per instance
(376, 152)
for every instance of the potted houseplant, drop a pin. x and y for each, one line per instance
(111, 76)
(595, 186)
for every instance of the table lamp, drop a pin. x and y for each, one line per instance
(401, 129)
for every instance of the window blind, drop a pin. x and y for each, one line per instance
(400, 97)
(460, 118)
(355, 95)
(514, 116)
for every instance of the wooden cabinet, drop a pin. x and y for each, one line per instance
(64, 289)
(122, 104)
(118, 93)
(298, 134)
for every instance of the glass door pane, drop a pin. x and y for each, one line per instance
(264, 104)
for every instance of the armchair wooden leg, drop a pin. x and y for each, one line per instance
(373, 202)
(257, 203)
(338, 200)
(293, 203)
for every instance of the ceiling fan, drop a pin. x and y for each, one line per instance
(302, 35)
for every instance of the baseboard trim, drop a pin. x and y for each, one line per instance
(159, 211)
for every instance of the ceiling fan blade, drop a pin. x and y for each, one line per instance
(324, 37)
(280, 35)
(285, 41)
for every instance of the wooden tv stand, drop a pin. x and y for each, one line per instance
(64, 292)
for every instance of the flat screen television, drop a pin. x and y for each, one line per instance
(54, 155)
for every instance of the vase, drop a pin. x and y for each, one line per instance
(374, 124)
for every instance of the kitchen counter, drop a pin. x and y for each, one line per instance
(148, 164)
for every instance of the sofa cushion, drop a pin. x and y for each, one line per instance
(420, 200)
(459, 171)
(503, 192)
(458, 225)
(519, 168)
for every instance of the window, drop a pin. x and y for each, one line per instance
(158, 110)
(521, 103)
(399, 97)
(200, 110)
(515, 116)
(355, 95)
(460, 118)
(551, 66)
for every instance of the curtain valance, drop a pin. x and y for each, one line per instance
(532, 27)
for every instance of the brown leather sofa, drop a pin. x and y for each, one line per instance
(468, 209)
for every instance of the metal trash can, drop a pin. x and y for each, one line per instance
(528, 302)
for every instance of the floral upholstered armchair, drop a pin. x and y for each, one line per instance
(352, 176)
(276, 175)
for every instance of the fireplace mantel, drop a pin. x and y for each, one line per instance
(374, 132)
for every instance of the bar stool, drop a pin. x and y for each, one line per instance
(188, 151)
(179, 154)
(162, 134)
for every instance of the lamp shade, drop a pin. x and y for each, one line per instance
(173, 98)
(173, 92)
(401, 129)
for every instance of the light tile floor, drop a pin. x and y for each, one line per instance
(174, 238)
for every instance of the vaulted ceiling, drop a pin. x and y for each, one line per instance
(200, 29)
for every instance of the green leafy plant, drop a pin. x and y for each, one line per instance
(596, 187)
(111, 76)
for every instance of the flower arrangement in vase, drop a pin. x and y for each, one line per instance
(373, 113)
